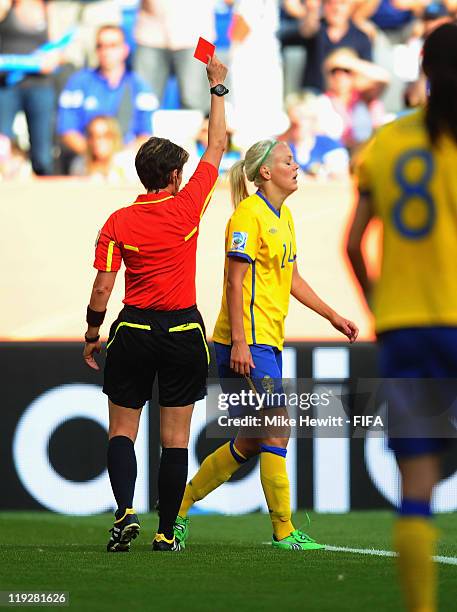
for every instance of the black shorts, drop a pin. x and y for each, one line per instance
(143, 343)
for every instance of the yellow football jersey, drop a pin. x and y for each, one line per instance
(265, 237)
(413, 188)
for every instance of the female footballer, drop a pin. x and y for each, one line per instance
(160, 330)
(413, 191)
(260, 274)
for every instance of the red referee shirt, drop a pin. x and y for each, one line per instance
(156, 237)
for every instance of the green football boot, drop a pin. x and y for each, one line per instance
(297, 540)
(181, 530)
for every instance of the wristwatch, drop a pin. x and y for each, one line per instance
(219, 90)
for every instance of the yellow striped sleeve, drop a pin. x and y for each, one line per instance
(109, 255)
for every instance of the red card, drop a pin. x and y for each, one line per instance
(203, 49)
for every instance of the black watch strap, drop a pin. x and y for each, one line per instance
(92, 340)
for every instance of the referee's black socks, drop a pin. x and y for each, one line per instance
(122, 471)
(172, 483)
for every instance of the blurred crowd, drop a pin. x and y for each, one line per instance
(84, 83)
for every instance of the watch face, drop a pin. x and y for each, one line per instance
(220, 90)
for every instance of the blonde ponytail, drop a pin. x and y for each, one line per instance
(256, 157)
(238, 187)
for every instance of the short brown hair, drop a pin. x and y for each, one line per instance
(155, 161)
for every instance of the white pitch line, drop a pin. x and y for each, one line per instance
(382, 553)
(362, 551)
(386, 553)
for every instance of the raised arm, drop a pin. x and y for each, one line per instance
(365, 9)
(294, 8)
(101, 292)
(310, 23)
(416, 6)
(217, 131)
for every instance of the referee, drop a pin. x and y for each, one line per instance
(159, 330)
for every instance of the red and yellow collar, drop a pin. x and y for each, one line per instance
(153, 198)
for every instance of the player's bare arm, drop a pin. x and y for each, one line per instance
(302, 292)
(240, 359)
(362, 218)
(101, 292)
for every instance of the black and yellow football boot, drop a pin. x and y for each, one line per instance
(125, 529)
(160, 542)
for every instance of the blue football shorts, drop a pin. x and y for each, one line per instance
(265, 378)
(425, 359)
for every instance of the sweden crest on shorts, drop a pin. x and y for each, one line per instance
(268, 384)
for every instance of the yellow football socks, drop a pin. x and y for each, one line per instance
(275, 483)
(215, 470)
(415, 540)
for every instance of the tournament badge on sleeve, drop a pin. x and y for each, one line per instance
(239, 240)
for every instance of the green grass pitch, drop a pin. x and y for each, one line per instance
(226, 566)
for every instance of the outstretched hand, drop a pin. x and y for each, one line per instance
(346, 327)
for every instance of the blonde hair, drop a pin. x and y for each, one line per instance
(249, 168)
(112, 125)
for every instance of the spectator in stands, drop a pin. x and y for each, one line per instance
(294, 56)
(326, 26)
(166, 34)
(23, 29)
(110, 90)
(318, 154)
(433, 16)
(85, 17)
(354, 87)
(104, 159)
(393, 16)
(390, 16)
(258, 111)
(14, 164)
(391, 24)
